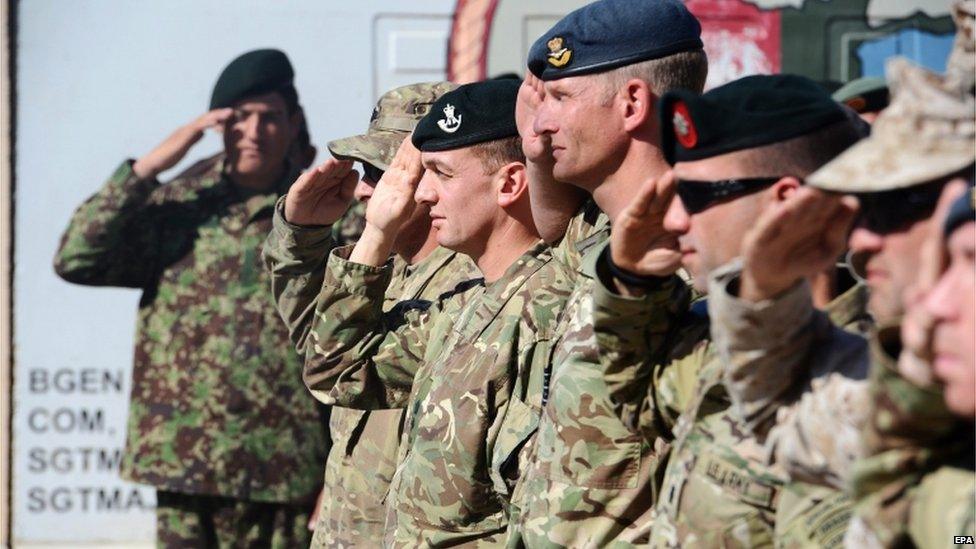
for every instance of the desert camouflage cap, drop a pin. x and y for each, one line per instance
(394, 117)
(927, 132)
(961, 65)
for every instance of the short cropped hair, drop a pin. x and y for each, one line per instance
(495, 154)
(800, 156)
(685, 70)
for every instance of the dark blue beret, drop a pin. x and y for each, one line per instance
(743, 114)
(471, 114)
(254, 73)
(608, 34)
(962, 211)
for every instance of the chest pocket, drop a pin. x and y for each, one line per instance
(722, 498)
(511, 450)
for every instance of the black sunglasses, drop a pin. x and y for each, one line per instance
(889, 211)
(698, 196)
(372, 173)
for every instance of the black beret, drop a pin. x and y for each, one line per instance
(608, 34)
(743, 114)
(254, 73)
(471, 114)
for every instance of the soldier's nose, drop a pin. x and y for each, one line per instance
(676, 219)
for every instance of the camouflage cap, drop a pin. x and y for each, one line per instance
(927, 132)
(961, 65)
(396, 115)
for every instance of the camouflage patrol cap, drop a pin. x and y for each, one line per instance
(927, 132)
(396, 115)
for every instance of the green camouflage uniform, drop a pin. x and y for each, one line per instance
(479, 361)
(362, 460)
(722, 486)
(589, 480)
(917, 485)
(218, 407)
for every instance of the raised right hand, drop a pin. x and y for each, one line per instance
(639, 242)
(537, 148)
(392, 202)
(916, 325)
(795, 239)
(321, 195)
(175, 147)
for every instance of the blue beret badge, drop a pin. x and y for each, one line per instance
(449, 123)
(559, 55)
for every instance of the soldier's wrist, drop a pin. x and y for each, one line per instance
(373, 248)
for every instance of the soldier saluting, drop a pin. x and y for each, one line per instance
(219, 422)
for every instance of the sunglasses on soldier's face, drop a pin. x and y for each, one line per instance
(372, 173)
(698, 196)
(889, 211)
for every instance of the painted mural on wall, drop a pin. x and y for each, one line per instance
(825, 40)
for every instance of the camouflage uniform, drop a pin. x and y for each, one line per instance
(363, 456)
(478, 359)
(218, 407)
(720, 487)
(917, 485)
(786, 394)
(924, 135)
(588, 483)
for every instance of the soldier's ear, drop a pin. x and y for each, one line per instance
(786, 187)
(512, 183)
(638, 105)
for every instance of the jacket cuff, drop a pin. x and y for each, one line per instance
(355, 278)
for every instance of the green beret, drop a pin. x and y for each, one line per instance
(471, 114)
(254, 73)
(868, 94)
(746, 113)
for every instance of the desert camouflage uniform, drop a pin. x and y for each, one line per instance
(218, 407)
(476, 399)
(364, 443)
(722, 487)
(917, 486)
(589, 480)
(785, 392)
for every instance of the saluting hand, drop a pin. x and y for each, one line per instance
(639, 242)
(321, 195)
(537, 148)
(174, 148)
(798, 238)
(390, 207)
(916, 325)
(392, 202)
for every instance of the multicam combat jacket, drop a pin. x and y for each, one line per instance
(218, 406)
(917, 484)
(363, 457)
(589, 481)
(471, 379)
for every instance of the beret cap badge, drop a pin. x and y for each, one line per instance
(450, 123)
(559, 55)
(683, 128)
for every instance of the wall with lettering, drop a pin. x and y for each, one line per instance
(100, 81)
